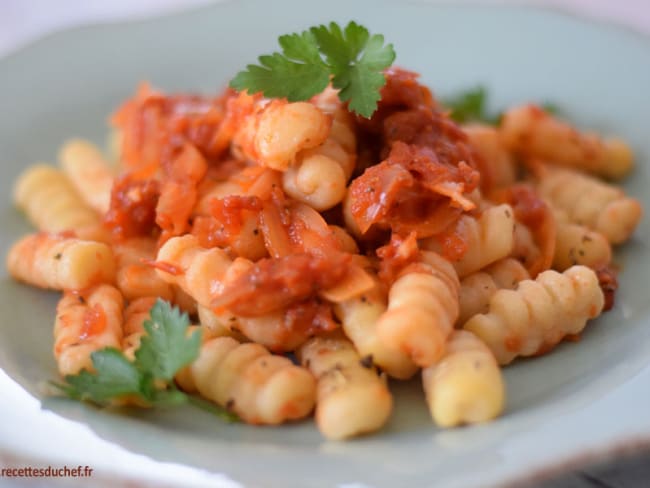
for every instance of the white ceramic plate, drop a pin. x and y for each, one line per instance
(582, 398)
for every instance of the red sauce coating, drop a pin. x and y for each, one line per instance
(275, 283)
(306, 319)
(181, 175)
(401, 91)
(410, 191)
(151, 121)
(608, 282)
(228, 217)
(531, 211)
(170, 268)
(396, 255)
(94, 322)
(132, 210)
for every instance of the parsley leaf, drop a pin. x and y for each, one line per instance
(115, 376)
(352, 58)
(164, 350)
(551, 108)
(470, 106)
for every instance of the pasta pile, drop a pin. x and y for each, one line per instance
(322, 253)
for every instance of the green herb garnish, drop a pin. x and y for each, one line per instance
(470, 106)
(351, 58)
(164, 350)
(551, 108)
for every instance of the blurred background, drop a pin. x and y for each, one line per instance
(24, 20)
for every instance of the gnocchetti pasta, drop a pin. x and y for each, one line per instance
(325, 255)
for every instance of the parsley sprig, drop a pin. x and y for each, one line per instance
(164, 350)
(351, 58)
(471, 106)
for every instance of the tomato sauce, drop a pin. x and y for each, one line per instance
(275, 283)
(94, 322)
(132, 210)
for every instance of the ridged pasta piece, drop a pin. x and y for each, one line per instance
(50, 201)
(422, 309)
(135, 278)
(245, 378)
(319, 176)
(488, 238)
(135, 315)
(466, 386)
(218, 324)
(202, 272)
(351, 398)
(533, 132)
(88, 172)
(218, 189)
(535, 317)
(275, 330)
(497, 166)
(274, 134)
(477, 288)
(590, 202)
(577, 244)
(86, 322)
(54, 261)
(199, 272)
(359, 317)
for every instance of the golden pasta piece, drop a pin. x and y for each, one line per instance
(86, 322)
(533, 132)
(61, 263)
(218, 325)
(359, 317)
(202, 272)
(50, 201)
(199, 272)
(535, 317)
(577, 244)
(344, 239)
(466, 386)
(317, 180)
(274, 330)
(351, 398)
(135, 278)
(319, 176)
(477, 288)
(275, 134)
(489, 238)
(135, 315)
(601, 207)
(88, 172)
(422, 309)
(498, 167)
(245, 378)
